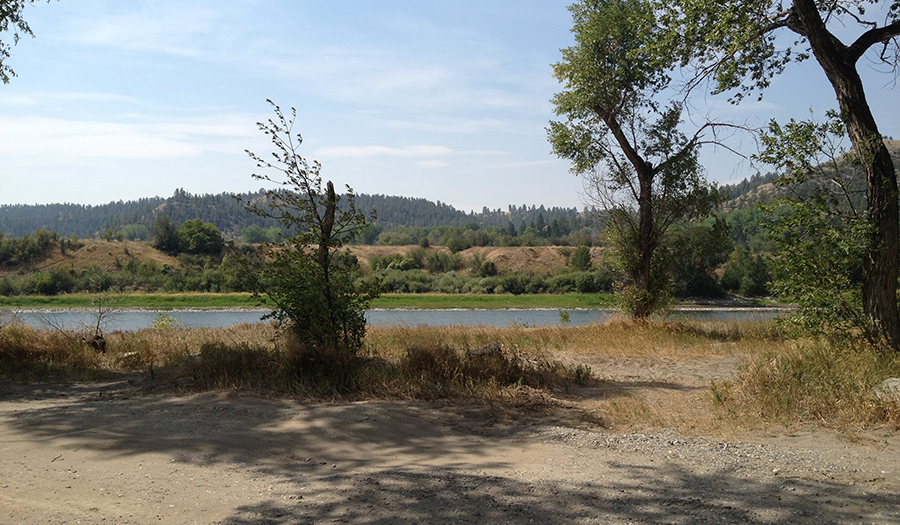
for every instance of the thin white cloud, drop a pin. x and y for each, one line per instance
(40, 137)
(157, 29)
(382, 151)
(37, 98)
(451, 125)
(432, 164)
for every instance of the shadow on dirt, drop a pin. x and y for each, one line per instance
(667, 494)
(394, 462)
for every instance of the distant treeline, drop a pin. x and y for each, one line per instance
(226, 211)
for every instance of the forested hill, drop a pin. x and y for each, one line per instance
(227, 212)
(761, 188)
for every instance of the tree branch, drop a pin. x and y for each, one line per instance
(872, 37)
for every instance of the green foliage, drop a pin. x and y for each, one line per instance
(457, 244)
(581, 259)
(200, 238)
(734, 44)
(135, 232)
(696, 250)
(27, 249)
(395, 238)
(165, 235)
(822, 235)
(256, 234)
(164, 321)
(311, 278)
(746, 273)
(439, 262)
(487, 269)
(11, 18)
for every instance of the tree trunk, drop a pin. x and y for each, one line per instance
(647, 241)
(882, 258)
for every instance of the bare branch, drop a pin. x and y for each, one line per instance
(872, 37)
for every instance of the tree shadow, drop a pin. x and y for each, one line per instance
(276, 436)
(667, 494)
(394, 462)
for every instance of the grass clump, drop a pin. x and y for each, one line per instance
(404, 364)
(439, 371)
(27, 354)
(816, 381)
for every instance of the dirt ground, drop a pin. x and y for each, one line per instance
(103, 453)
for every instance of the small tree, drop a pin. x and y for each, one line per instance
(165, 235)
(200, 238)
(311, 276)
(581, 259)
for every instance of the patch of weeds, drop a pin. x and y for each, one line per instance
(164, 321)
(818, 380)
(582, 374)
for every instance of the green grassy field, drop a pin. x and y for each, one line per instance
(493, 302)
(165, 301)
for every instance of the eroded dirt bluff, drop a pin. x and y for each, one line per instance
(538, 259)
(109, 255)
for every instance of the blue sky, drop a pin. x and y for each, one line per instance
(443, 100)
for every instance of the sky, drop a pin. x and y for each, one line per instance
(447, 101)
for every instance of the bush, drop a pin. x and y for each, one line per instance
(312, 279)
(200, 238)
(438, 262)
(581, 259)
(487, 269)
(458, 244)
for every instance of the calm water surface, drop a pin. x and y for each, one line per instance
(136, 320)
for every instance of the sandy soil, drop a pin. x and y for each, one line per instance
(101, 453)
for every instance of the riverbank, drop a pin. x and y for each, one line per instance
(429, 301)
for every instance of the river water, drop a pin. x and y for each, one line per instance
(131, 320)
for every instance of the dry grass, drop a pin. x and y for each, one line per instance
(674, 375)
(256, 358)
(818, 381)
(672, 340)
(104, 254)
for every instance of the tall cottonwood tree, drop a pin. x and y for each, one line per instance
(735, 44)
(624, 138)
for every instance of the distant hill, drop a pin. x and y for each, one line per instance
(227, 212)
(762, 188)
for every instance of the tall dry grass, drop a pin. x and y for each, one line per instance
(820, 381)
(783, 381)
(256, 358)
(618, 337)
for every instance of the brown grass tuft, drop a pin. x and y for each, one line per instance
(817, 381)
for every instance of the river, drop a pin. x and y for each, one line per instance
(131, 320)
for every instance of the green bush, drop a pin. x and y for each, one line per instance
(581, 259)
